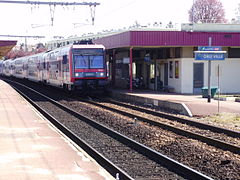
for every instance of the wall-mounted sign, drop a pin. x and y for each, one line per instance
(209, 56)
(209, 48)
(209, 53)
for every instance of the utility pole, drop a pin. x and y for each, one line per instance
(52, 6)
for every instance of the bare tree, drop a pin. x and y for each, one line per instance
(207, 11)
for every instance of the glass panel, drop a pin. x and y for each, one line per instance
(96, 61)
(81, 62)
(152, 69)
(88, 58)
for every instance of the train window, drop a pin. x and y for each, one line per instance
(233, 52)
(81, 62)
(65, 59)
(84, 61)
(96, 61)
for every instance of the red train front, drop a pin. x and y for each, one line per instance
(88, 66)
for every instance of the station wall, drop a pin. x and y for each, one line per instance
(180, 75)
(229, 73)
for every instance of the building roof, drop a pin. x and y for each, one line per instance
(169, 38)
(6, 46)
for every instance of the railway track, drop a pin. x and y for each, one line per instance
(213, 162)
(219, 137)
(104, 144)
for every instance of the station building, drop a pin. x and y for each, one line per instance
(165, 58)
(6, 46)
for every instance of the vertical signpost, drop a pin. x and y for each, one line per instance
(209, 72)
(209, 53)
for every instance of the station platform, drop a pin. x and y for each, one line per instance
(32, 148)
(190, 105)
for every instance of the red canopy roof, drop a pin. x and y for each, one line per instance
(6, 46)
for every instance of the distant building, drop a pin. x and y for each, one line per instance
(210, 27)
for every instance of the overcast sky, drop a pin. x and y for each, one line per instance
(110, 14)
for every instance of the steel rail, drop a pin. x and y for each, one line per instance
(217, 143)
(228, 132)
(175, 166)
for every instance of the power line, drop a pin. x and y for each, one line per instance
(52, 3)
(52, 6)
(19, 36)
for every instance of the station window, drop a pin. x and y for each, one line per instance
(152, 71)
(171, 69)
(176, 69)
(233, 52)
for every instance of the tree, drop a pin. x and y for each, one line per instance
(19, 52)
(207, 11)
(237, 17)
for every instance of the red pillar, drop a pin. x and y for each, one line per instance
(130, 70)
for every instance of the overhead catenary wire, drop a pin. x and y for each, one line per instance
(52, 6)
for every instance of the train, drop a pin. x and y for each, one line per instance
(72, 67)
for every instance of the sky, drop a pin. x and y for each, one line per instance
(18, 19)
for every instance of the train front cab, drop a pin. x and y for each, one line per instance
(88, 67)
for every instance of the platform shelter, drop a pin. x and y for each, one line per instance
(165, 60)
(6, 46)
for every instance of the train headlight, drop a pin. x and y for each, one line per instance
(101, 74)
(76, 74)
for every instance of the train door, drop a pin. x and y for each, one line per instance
(41, 69)
(59, 70)
(25, 68)
(65, 68)
(45, 69)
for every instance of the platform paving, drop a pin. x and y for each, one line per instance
(31, 148)
(194, 104)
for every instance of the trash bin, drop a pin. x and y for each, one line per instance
(205, 92)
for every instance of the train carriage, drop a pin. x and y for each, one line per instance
(74, 67)
(77, 67)
(34, 68)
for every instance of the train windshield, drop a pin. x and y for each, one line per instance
(88, 59)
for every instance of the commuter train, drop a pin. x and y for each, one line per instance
(73, 67)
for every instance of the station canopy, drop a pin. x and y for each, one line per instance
(6, 46)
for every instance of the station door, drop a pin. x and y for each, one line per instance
(198, 77)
